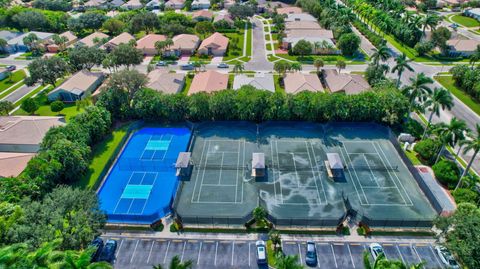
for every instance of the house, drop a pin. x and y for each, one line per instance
(202, 15)
(209, 81)
(324, 45)
(259, 81)
(289, 10)
(70, 38)
(166, 82)
(474, 13)
(122, 38)
(175, 4)
(133, 4)
(462, 47)
(325, 37)
(215, 45)
(224, 17)
(16, 44)
(3, 73)
(147, 43)
(24, 134)
(94, 3)
(228, 4)
(300, 17)
(201, 4)
(183, 44)
(20, 138)
(94, 39)
(77, 86)
(302, 25)
(297, 82)
(115, 3)
(154, 4)
(346, 83)
(7, 35)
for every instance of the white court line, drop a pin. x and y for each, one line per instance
(273, 173)
(219, 185)
(356, 176)
(334, 257)
(399, 252)
(243, 165)
(119, 247)
(357, 142)
(236, 179)
(145, 148)
(221, 169)
(150, 253)
(198, 172)
(133, 199)
(199, 251)
(296, 171)
(351, 257)
(374, 178)
(166, 252)
(134, 250)
(313, 173)
(153, 184)
(216, 250)
(278, 166)
(203, 174)
(183, 251)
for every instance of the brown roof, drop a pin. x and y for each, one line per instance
(166, 82)
(89, 40)
(216, 40)
(463, 44)
(13, 163)
(80, 81)
(185, 41)
(202, 13)
(26, 130)
(297, 82)
(148, 41)
(209, 81)
(302, 25)
(289, 10)
(310, 33)
(225, 17)
(121, 38)
(348, 83)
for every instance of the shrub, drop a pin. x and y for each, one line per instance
(427, 149)
(57, 106)
(446, 172)
(413, 127)
(29, 106)
(464, 195)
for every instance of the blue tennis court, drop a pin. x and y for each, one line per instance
(142, 183)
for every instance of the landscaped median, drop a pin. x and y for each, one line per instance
(8, 85)
(464, 20)
(448, 82)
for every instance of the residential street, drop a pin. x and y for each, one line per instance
(259, 60)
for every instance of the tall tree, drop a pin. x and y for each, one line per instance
(475, 57)
(318, 63)
(176, 263)
(431, 20)
(402, 64)
(287, 261)
(84, 57)
(472, 143)
(381, 54)
(417, 90)
(341, 64)
(439, 98)
(450, 134)
(3, 45)
(47, 70)
(129, 81)
(349, 43)
(238, 68)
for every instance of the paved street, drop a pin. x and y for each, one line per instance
(19, 93)
(145, 252)
(259, 60)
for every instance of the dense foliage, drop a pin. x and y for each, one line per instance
(427, 149)
(464, 195)
(446, 172)
(467, 79)
(375, 39)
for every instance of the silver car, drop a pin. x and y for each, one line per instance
(375, 249)
(447, 258)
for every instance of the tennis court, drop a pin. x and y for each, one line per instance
(141, 184)
(296, 189)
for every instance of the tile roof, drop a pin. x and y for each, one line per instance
(349, 83)
(310, 33)
(121, 38)
(209, 81)
(185, 41)
(202, 13)
(302, 25)
(165, 82)
(216, 40)
(79, 82)
(89, 40)
(289, 10)
(261, 82)
(26, 130)
(300, 17)
(148, 41)
(12, 164)
(297, 82)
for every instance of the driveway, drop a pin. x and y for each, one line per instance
(259, 60)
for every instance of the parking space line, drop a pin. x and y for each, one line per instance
(150, 253)
(199, 252)
(134, 250)
(166, 252)
(318, 264)
(334, 257)
(351, 257)
(216, 249)
(119, 247)
(233, 251)
(435, 255)
(249, 254)
(401, 256)
(418, 256)
(300, 254)
(183, 251)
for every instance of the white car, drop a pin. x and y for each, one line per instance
(447, 258)
(375, 249)
(261, 252)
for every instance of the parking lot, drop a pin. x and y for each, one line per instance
(143, 253)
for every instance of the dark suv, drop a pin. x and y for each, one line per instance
(108, 251)
(96, 244)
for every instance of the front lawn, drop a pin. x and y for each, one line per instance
(235, 45)
(249, 40)
(68, 112)
(27, 56)
(449, 84)
(103, 155)
(6, 82)
(328, 59)
(465, 21)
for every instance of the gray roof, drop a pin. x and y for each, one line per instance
(259, 81)
(19, 39)
(334, 161)
(116, 3)
(183, 160)
(258, 161)
(300, 17)
(7, 35)
(26, 130)
(80, 82)
(474, 11)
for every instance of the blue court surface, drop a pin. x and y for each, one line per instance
(142, 183)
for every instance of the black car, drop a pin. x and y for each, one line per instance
(96, 244)
(311, 254)
(108, 251)
(11, 68)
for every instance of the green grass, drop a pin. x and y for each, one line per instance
(328, 59)
(68, 112)
(465, 21)
(6, 83)
(235, 45)
(267, 37)
(26, 56)
(12, 89)
(269, 46)
(200, 58)
(412, 155)
(449, 84)
(103, 155)
(188, 82)
(270, 253)
(276, 81)
(249, 40)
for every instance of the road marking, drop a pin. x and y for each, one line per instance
(176, 241)
(233, 251)
(249, 255)
(418, 256)
(338, 244)
(183, 251)
(436, 258)
(355, 244)
(192, 241)
(166, 252)
(334, 257)
(316, 249)
(150, 253)
(199, 251)
(401, 256)
(134, 250)
(300, 254)
(388, 245)
(119, 247)
(351, 257)
(216, 249)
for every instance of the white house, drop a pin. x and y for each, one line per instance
(201, 4)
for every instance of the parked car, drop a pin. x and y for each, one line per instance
(97, 244)
(108, 251)
(222, 65)
(161, 63)
(11, 68)
(447, 258)
(261, 252)
(375, 250)
(311, 256)
(188, 66)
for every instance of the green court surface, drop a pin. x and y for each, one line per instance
(376, 185)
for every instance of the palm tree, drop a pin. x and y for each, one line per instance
(381, 262)
(450, 134)
(431, 20)
(439, 98)
(176, 264)
(382, 54)
(341, 64)
(475, 57)
(471, 143)
(238, 68)
(276, 239)
(402, 63)
(318, 63)
(296, 66)
(287, 261)
(417, 90)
